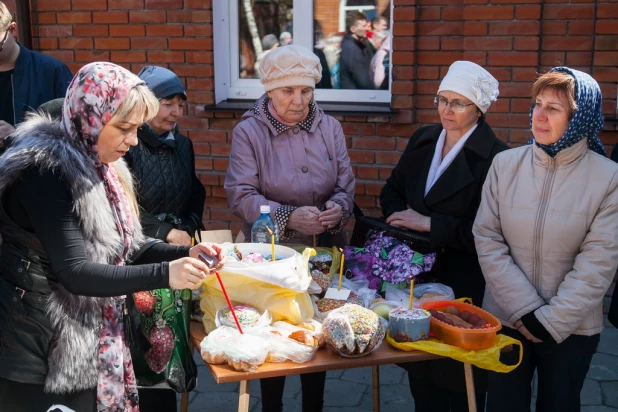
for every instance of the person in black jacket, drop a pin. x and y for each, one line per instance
(170, 195)
(436, 188)
(72, 249)
(356, 54)
(27, 78)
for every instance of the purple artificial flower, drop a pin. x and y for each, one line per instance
(377, 242)
(428, 260)
(399, 265)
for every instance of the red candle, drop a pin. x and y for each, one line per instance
(229, 303)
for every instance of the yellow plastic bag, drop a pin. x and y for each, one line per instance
(282, 303)
(486, 359)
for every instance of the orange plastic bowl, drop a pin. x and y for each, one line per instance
(472, 339)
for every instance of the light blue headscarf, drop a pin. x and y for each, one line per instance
(587, 120)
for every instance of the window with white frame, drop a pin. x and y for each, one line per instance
(245, 30)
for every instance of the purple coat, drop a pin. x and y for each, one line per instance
(289, 168)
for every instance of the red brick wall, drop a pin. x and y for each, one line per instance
(10, 4)
(513, 39)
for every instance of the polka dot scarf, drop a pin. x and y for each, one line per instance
(587, 120)
(94, 95)
(280, 127)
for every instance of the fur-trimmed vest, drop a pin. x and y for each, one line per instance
(47, 334)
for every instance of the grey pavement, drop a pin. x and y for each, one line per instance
(351, 390)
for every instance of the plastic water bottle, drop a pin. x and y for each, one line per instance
(259, 231)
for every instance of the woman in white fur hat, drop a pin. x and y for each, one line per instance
(436, 188)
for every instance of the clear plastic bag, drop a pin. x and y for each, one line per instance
(314, 288)
(351, 284)
(361, 288)
(223, 318)
(432, 291)
(422, 293)
(212, 347)
(246, 352)
(353, 331)
(310, 325)
(282, 348)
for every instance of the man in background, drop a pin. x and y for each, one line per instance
(27, 78)
(356, 54)
(379, 24)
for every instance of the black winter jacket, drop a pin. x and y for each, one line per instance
(54, 263)
(354, 62)
(452, 203)
(169, 193)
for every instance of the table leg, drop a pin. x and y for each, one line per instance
(184, 402)
(243, 396)
(375, 373)
(470, 387)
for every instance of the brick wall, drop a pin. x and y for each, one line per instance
(513, 39)
(10, 4)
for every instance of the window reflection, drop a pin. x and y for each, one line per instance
(264, 26)
(353, 38)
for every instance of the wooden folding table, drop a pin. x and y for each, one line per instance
(324, 360)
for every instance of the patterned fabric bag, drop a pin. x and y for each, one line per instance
(164, 319)
(384, 260)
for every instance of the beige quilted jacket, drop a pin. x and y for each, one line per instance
(546, 234)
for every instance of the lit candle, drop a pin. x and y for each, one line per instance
(272, 243)
(411, 291)
(341, 269)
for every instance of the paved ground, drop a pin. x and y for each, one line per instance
(350, 390)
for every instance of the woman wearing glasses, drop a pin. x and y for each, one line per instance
(436, 188)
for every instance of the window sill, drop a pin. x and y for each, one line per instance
(331, 108)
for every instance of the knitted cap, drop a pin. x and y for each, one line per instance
(162, 82)
(290, 66)
(472, 81)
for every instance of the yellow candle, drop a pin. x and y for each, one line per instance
(272, 243)
(411, 291)
(341, 269)
(192, 241)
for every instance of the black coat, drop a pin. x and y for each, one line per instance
(451, 203)
(354, 62)
(166, 184)
(326, 81)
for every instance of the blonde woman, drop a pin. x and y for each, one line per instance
(69, 229)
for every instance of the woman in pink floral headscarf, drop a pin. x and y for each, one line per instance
(69, 225)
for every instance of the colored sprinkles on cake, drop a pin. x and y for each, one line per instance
(245, 314)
